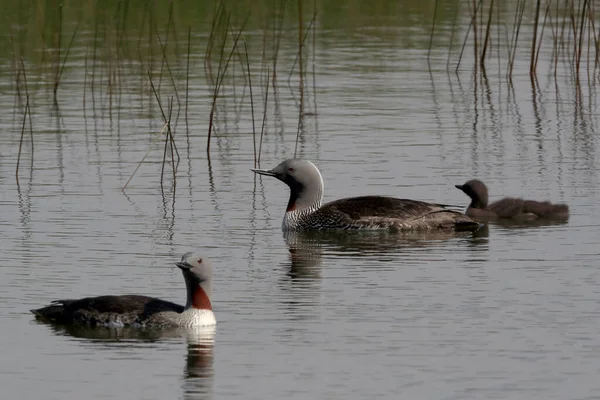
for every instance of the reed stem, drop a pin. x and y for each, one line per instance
(21, 140)
(57, 73)
(487, 36)
(187, 77)
(251, 100)
(435, 8)
(264, 119)
(534, 40)
(580, 44)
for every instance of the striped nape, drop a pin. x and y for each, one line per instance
(300, 219)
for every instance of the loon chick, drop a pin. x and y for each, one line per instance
(304, 210)
(143, 311)
(508, 207)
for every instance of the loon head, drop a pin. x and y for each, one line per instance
(197, 272)
(304, 180)
(477, 191)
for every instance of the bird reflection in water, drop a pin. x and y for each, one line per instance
(308, 248)
(305, 255)
(198, 372)
(310, 251)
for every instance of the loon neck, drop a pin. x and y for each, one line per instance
(295, 217)
(305, 199)
(292, 202)
(306, 196)
(479, 195)
(478, 203)
(197, 297)
(293, 208)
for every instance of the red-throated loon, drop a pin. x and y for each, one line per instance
(305, 212)
(136, 310)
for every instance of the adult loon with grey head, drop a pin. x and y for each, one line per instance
(305, 212)
(143, 311)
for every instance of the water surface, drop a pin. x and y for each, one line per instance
(510, 313)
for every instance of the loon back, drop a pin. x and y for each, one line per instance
(379, 212)
(102, 310)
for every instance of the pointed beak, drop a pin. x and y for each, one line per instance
(183, 265)
(266, 172)
(459, 187)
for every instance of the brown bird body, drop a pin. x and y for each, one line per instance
(508, 207)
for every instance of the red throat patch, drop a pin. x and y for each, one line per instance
(291, 207)
(200, 300)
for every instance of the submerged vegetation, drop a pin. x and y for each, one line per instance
(237, 48)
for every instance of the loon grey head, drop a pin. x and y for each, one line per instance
(477, 191)
(304, 180)
(197, 272)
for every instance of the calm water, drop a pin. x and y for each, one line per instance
(512, 313)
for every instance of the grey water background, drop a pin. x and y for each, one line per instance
(510, 313)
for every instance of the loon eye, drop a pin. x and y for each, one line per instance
(199, 261)
(291, 169)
